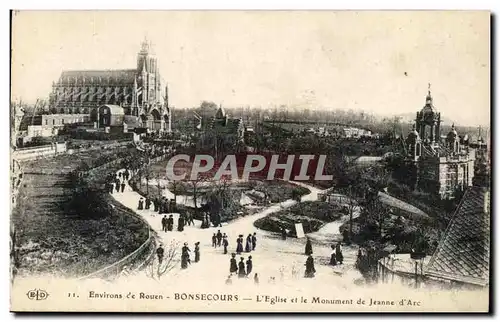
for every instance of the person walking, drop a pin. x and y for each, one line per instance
(214, 240)
(254, 241)
(160, 252)
(241, 268)
(308, 250)
(197, 252)
(310, 270)
(339, 256)
(249, 265)
(219, 238)
(233, 266)
(164, 223)
(248, 245)
(225, 243)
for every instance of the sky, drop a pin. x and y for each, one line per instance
(378, 62)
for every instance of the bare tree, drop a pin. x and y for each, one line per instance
(156, 269)
(177, 188)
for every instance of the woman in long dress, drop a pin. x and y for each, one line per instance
(239, 244)
(185, 256)
(241, 268)
(180, 224)
(333, 257)
(310, 270)
(197, 252)
(248, 246)
(233, 266)
(141, 204)
(339, 256)
(309, 249)
(249, 265)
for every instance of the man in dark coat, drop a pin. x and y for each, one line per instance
(117, 185)
(233, 266)
(254, 241)
(219, 238)
(249, 265)
(141, 204)
(241, 268)
(123, 186)
(164, 223)
(155, 204)
(225, 243)
(160, 252)
(180, 224)
(310, 270)
(309, 249)
(197, 252)
(148, 203)
(214, 240)
(170, 223)
(191, 219)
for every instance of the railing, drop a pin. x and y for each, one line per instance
(116, 268)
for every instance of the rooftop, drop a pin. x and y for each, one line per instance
(463, 254)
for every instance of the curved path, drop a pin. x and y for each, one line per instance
(271, 253)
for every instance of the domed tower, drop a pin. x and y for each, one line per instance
(453, 140)
(429, 121)
(414, 144)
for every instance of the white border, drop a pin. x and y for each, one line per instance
(492, 5)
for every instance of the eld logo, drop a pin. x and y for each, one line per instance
(37, 295)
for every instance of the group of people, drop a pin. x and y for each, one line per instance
(336, 258)
(219, 239)
(185, 254)
(117, 184)
(167, 224)
(310, 269)
(185, 257)
(161, 205)
(250, 244)
(243, 269)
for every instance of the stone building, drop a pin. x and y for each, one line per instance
(443, 166)
(138, 91)
(223, 124)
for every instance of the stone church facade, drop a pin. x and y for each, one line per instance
(443, 166)
(139, 92)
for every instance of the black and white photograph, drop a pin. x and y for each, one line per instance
(250, 161)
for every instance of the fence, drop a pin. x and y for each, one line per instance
(39, 152)
(116, 268)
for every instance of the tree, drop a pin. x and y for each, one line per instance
(352, 207)
(169, 262)
(177, 188)
(375, 215)
(195, 188)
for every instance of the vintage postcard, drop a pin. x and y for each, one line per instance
(250, 161)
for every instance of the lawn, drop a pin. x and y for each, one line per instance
(54, 235)
(312, 214)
